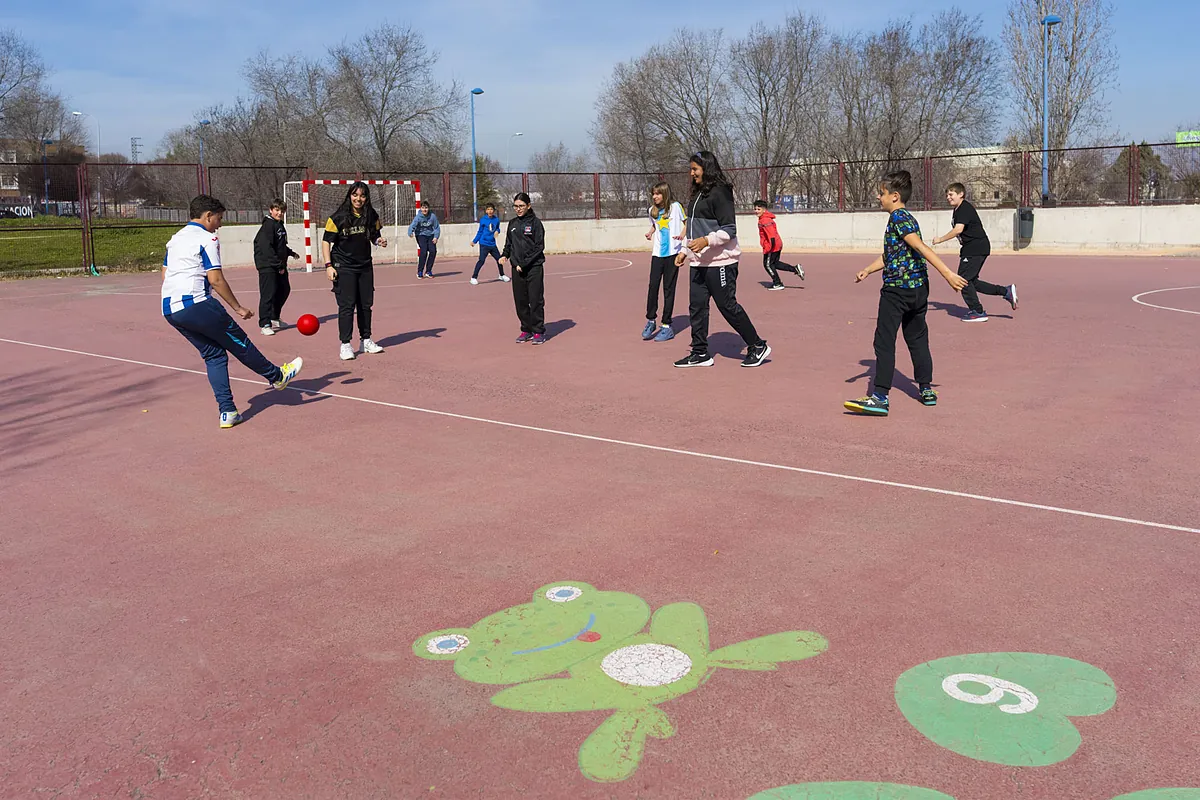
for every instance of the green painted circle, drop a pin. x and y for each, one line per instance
(1019, 717)
(850, 790)
(1162, 794)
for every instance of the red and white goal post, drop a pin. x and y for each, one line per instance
(396, 205)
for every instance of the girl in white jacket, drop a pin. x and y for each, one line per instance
(666, 233)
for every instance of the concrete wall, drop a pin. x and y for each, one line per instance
(1115, 229)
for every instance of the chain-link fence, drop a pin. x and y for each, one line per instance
(41, 227)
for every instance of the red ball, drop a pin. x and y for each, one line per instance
(308, 324)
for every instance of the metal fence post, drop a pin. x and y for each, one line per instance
(841, 185)
(762, 184)
(928, 168)
(525, 182)
(446, 196)
(596, 193)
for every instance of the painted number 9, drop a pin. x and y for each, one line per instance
(1027, 700)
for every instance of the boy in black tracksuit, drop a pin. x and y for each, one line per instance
(271, 253)
(975, 247)
(525, 247)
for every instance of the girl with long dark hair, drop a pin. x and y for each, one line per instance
(349, 234)
(712, 252)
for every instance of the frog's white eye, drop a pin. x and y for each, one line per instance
(447, 644)
(563, 594)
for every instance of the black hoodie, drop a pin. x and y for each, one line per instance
(271, 249)
(525, 243)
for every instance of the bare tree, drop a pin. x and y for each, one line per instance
(386, 92)
(559, 178)
(776, 80)
(21, 67)
(36, 114)
(1083, 67)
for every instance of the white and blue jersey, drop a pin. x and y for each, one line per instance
(191, 253)
(668, 231)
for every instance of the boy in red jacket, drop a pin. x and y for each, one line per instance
(772, 246)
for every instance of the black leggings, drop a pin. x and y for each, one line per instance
(355, 291)
(662, 271)
(719, 284)
(772, 265)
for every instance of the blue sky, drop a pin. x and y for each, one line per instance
(143, 67)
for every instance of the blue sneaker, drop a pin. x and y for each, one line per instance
(975, 316)
(230, 418)
(665, 334)
(872, 405)
(648, 331)
(1010, 294)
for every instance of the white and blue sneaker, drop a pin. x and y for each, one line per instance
(290, 370)
(648, 331)
(230, 418)
(1010, 294)
(665, 334)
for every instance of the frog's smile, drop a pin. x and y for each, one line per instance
(568, 640)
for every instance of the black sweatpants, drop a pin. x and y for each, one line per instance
(355, 291)
(662, 271)
(902, 309)
(529, 294)
(772, 265)
(720, 284)
(486, 250)
(969, 267)
(273, 291)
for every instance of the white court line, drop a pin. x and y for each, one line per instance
(590, 271)
(656, 448)
(1137, 298)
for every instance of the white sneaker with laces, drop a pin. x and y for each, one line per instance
(347, 352)
(474, 281)
(505, 278)
(267, 331)
(370, 347)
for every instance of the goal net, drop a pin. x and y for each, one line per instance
(309, 204)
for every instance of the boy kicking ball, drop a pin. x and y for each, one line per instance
(191, 273)
(904, 298)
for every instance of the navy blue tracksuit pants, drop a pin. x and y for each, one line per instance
(208, 326)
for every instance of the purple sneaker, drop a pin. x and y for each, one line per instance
(539, 338)
(524, 337)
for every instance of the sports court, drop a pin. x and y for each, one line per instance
(271, 611)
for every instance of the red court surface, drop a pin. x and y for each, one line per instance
(196, 612)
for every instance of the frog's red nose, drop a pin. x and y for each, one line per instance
(588, 636)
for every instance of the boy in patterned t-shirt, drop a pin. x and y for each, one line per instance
(904, 298)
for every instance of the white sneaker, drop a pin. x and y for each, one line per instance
(474, 281)
(504, 278)
(276, 324)
(800, 271)
(230, 418)
(347, 352)
(370, 347)
(267, 331)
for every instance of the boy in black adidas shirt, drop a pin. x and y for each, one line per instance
(975, 248)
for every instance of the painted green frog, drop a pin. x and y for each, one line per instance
(596, 638)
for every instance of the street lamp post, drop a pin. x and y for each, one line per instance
(99, 196)
(203, 172)
(1048, 22)
(474, 160)
(508, 154)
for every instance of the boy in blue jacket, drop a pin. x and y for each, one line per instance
(489, 226)
(427, 230)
